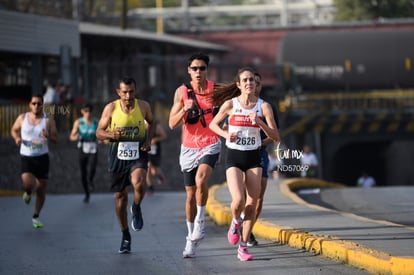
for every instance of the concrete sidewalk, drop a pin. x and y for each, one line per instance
(377, 247)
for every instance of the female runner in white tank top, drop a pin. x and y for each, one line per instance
(246, 117)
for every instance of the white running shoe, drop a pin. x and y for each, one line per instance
(189, 250)
(37, 223)
(198, 232)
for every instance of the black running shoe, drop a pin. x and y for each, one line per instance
(252, 240)
(125, 246)
(137, 221)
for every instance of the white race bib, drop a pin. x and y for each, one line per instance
(154, 148)
(128, 150)
(246, 138)
(89, 147)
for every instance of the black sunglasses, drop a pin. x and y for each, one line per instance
(201, 68)
(36, 103)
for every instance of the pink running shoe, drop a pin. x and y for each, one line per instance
(233, 235)
(161, 179)
(244, 255)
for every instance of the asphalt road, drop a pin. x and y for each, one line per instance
(83, 238)
(392, 203)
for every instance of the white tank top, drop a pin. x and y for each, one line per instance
(33, 144)
(248, 134)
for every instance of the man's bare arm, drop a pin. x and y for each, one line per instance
(15, 130)
(52, 133)
(102, 131)
(177, 110)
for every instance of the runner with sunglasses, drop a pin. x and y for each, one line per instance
(32, 131)
(200, 146)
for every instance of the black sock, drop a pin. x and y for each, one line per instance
(35, 216)
(125, 234)
(136, 206)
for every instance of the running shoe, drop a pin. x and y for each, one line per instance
(26, 198)
(198, 232)
(252, 240)
(161, 179)
(233, 235)
(137, 222)
(189, 250)
(91, 186)
(150, 190)
(37, 223)
(244, 255)
(86, 199)
(125, 246)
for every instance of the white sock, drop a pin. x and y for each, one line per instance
(200, 213)
(237, 221)
(190, 226)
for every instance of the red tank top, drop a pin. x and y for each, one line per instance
(195, 135)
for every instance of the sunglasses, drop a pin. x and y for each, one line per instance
(36, 103)
(201, 68)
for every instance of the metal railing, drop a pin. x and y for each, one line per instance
(64, 115)
(389, 101)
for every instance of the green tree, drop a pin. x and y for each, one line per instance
(357, 10)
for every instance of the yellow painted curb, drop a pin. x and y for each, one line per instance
(5, 193)
(220, 213)
(373, 261)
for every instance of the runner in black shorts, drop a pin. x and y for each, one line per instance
(246, 114)
(119, 181)
(244, 160)
(123, 124)
(189, 177)
(32, 131)
(38, 166)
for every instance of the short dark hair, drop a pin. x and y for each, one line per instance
(87, 106)
(258, 75)
(199, 56)
(37, 95)
(127, 80)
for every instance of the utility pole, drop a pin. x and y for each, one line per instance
(284, 14)
(124, 16)
(160, 21)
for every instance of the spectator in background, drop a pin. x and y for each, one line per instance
(274, 162)
(366, 181)
(64, 93)
(51, 96)
(309, 159)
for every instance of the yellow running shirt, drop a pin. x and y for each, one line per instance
(125, 151)
(132, 124)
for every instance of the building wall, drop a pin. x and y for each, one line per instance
(33, 34)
